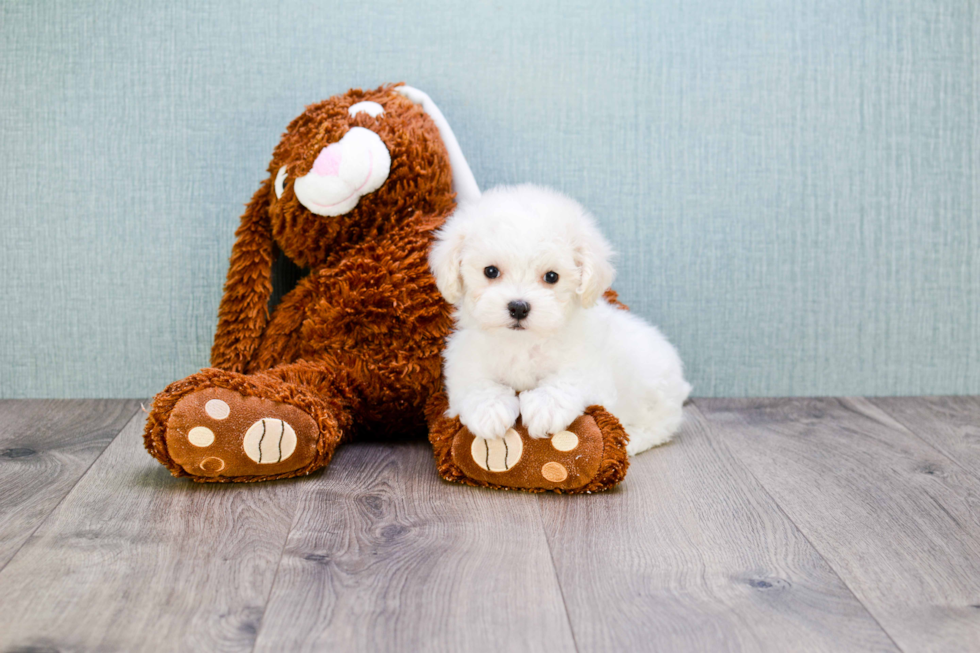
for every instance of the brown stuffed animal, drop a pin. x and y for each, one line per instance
(356, 187)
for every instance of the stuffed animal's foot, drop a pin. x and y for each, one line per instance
(244, 433)
(590, 455)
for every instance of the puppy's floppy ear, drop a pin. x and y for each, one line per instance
(592, 256)
(446, 259)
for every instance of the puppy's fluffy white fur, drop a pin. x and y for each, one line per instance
(572, 349)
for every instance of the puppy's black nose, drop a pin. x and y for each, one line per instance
(518, 309)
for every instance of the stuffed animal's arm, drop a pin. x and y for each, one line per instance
(373, 287)
(244, 311)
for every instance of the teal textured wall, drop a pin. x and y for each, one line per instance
(792, 186)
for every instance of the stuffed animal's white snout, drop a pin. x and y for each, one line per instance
(344, 172)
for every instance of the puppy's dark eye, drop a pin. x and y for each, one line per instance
(490, 272)
(551, 276)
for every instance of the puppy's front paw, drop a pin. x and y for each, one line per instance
(545, 411)
(492, 417)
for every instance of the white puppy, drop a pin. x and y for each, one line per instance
(526, 268)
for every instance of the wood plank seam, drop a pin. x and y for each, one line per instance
(135, 560)
(690, 555)
(865, 488)
(929, 443)
(54, 508)
(384, 555)
(723, 445)
(275, 577)
(554, 569)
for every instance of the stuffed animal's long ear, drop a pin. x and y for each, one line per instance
(446, 260)
(592, 256)
(244, 309)
(464, 183)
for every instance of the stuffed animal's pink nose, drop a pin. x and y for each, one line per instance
(327, 164)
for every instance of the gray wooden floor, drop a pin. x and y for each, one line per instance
(769, 524)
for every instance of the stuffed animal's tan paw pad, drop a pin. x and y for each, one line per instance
(564, 441)
(554, 472)
(217, 409)
(200, 436)
(269, 441)
(498, 454)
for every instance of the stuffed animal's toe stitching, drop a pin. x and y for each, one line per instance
(212, 465)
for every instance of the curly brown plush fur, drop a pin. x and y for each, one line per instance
(356, 346)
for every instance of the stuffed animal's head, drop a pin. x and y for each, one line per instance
(348, 170)
(352, 167)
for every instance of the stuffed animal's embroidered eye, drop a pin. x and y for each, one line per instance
(551, 276)
(280, 182)
(490, 272)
